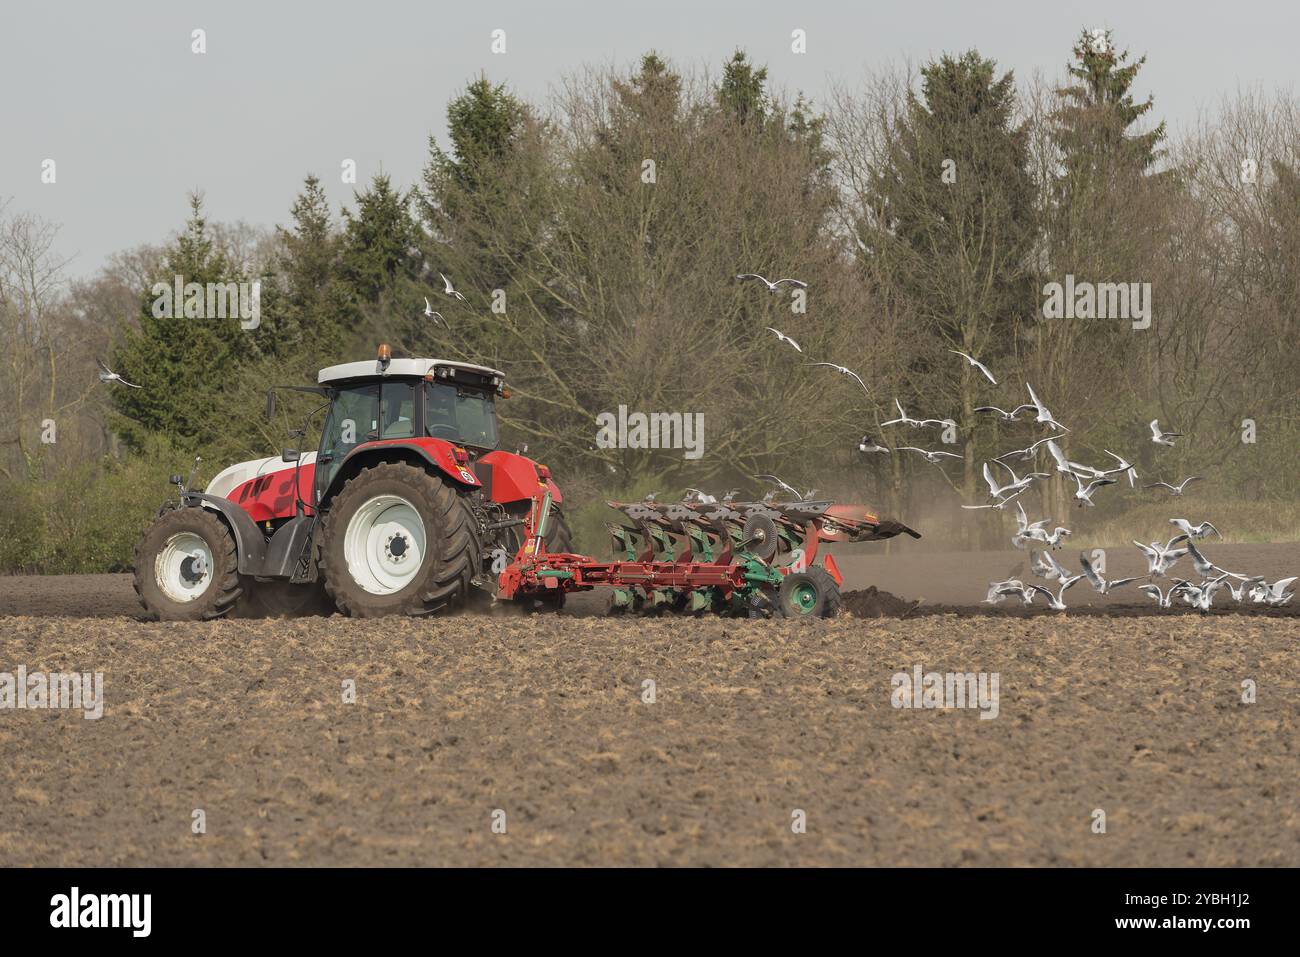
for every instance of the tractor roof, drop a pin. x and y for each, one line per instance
(373, 369)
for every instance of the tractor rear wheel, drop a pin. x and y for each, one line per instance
(398, 540)
(808, 594)
(187, 566)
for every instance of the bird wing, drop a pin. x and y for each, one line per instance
(1089, 570)
(1155, 428)
(988, 477)
(1190, 478)
(100, 362)
(793, 282)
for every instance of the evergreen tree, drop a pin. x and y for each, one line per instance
(180, 361)
(319, 312)
(380, 244)
(742, 92)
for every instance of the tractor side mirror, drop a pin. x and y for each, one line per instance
(289, 455)
(270, 403)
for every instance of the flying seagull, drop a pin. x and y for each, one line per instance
(1045, 566)
(784, 338)
(933, 458)
(1175, 489)
(1026, 454)
(1160, 558)
(1096, 580)
(1162, 438)
(1012, 586)
(975, 363)
(1275, 594)
(449, 290)
(1124, 466)
(108, 375)
(1163, 599)
(1043, 414)
(999, 504)
(1194, 531)
(868, 444)
(1003, 414)
(772, 286)
(1057, 602)
(842, 370)
(1084, 494)
(905, 419)
(776, 481)
(432, 314)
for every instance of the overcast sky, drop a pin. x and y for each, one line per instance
(134, 120)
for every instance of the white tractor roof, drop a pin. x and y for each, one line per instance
(371, 368)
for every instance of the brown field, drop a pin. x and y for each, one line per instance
(543, 718)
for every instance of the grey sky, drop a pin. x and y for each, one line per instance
(134, 120)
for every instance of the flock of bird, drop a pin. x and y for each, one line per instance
(1088, 480)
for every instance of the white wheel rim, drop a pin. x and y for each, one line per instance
(183, 568)
(384, 544)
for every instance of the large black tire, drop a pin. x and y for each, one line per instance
(808, 594)
(451, 557)
(209, 591)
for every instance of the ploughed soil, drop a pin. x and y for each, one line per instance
(550, 721)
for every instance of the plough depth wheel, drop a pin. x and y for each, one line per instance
(808, 594)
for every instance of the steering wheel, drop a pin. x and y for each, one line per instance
(448, 431)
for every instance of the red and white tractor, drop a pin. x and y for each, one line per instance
(407, 507)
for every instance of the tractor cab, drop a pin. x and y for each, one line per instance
(407, 401)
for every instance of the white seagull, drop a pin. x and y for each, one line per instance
(1124, 466)
(1046, 566)
(446, 283)
(1084, 494)
(1024, 455)
(784, 338)
(1002, 413)
(1012, 586)
(1162, 438)
(433, 314)
(1175, 489)
(934, 458)
(1043, 414)
(108, 375)
(1275, 594)
(772, 286)
(843, 370)
(1057, 602)
(905, 419)
(1096, 580)
(975, 363)
(1194, 531)
(1163, 599)
(1160, 558)
(776, 481)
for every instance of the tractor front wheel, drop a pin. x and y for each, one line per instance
(187, 566)
(398, 540)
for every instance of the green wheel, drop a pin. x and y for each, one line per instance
(808, 594)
